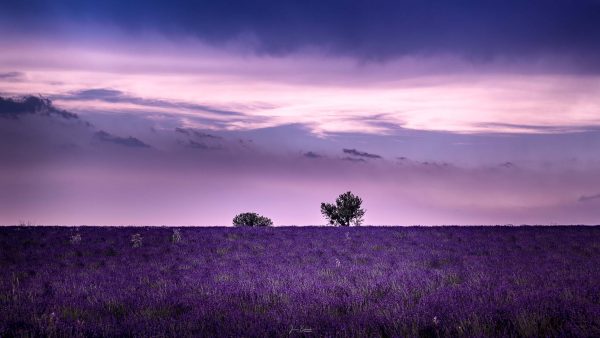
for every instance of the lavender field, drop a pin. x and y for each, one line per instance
(300, 281)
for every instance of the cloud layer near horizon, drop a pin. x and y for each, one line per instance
(60, 169)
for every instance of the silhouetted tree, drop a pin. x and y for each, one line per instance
(251, 219)
(345, 211)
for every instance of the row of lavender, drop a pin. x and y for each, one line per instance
(319, 281)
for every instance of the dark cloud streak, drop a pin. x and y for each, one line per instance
(123, 141)
(355, 152)
(15, 107)
(312, 155)
(11, 76)
(586, 198)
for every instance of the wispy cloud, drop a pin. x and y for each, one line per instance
(117, 96)
(195, 133)
(528, 128)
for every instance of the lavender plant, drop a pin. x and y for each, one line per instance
(136, 240)
(176, 236)
(396, 282)
(75, 238)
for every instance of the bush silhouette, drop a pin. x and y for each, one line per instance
(251, 219)
(345, 211)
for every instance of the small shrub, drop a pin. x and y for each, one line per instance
(251, 219)
(136, 240)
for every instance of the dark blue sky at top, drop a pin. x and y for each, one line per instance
(374, 30)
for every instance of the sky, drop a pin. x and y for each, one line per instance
(189, 112)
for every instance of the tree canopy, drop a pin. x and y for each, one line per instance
(345, 212)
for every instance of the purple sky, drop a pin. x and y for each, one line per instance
(478, 112)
